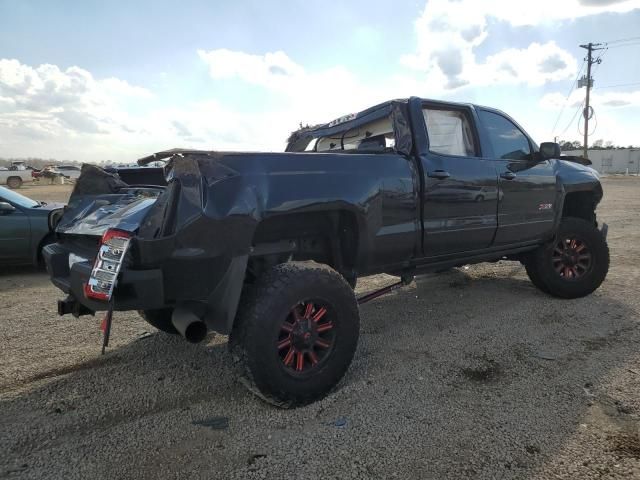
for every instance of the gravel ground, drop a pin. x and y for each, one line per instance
(471, 373)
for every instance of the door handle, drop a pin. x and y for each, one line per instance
(439, 174)
(508, 175)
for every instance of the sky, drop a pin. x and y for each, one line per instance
(114, 81)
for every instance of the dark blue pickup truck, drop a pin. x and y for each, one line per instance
(266, 247)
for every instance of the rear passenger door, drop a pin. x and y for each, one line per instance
(527, 185)
(461, 188)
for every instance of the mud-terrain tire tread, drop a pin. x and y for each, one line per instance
(262, 306)
(531, 268)
(160, 319)
(542, 275)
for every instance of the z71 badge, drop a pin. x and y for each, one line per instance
(545, 206)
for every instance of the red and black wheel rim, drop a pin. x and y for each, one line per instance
(571, 258)
(306, 337)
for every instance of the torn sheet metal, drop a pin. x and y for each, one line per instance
(396, 110)
(100, 201)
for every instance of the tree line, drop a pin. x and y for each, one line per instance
(37, 163)
(597, 145)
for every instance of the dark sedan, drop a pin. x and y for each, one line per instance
(25, 227)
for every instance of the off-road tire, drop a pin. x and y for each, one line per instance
(14, 182)
(352, 279)
(540, 266)
(160, 319)
(254, 340)
(533, 274)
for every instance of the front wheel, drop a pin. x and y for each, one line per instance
(572, 266)
(296, 333)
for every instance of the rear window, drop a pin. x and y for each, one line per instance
(375, 136)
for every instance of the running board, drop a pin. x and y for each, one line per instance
(383, 291)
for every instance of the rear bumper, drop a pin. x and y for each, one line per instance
(136, 289)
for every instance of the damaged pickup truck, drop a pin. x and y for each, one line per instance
(267, 247)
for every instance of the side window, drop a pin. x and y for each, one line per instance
(449, 132)
(507, 140)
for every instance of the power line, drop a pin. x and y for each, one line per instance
(595, 119)
(624, 45)
(564, 104)
(622, 40)
(620, 85)
(572, 119)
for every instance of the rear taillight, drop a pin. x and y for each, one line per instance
(102, 281)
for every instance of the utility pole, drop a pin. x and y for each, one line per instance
(588, 82)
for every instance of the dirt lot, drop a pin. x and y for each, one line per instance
(472, 373)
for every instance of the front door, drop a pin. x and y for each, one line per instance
(15, 232)
(461, 189)
(527, 186)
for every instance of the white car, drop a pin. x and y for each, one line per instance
(69, 171)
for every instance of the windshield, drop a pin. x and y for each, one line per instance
(17, 199)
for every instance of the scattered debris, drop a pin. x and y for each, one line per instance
(545, 356)
(144, 335)
(215, 423)
(256, 456)
(532, 449)
(340, 422)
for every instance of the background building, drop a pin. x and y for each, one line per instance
(623, 160)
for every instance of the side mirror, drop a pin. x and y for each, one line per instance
(549, 150)
(6, 208)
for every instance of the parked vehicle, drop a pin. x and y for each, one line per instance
(266, 247)
(15, 178)
(69, 171)
(26, 226)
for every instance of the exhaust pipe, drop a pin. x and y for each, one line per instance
(190, 326)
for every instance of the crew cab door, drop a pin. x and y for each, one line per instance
(460, 188)
(527, 185)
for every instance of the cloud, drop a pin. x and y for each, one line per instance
(69, 113)
(61, 101)
(599, 3)
(552, 64)
(78, 121)
(309, 96)
(181, 130)
(273, 69)
(448, 32)
(604, 100)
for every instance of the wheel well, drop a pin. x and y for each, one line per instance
(325, 237)
(48, 238)
(14, 177)
(580, 205)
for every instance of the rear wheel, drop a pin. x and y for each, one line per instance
(296, 333)
(160, 319)
(14, 182)
(574, 265)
